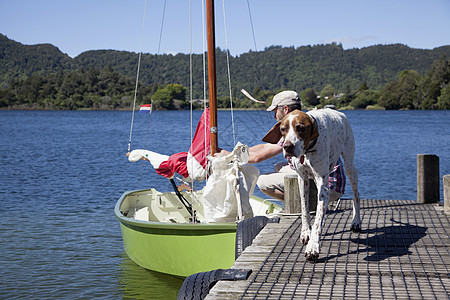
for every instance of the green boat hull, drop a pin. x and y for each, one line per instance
(179, 252)
(179, 249)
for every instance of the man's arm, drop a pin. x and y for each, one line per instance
(261, 152)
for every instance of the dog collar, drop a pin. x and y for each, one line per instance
(311, 146)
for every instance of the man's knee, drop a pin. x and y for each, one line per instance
(335, 195)
(271, 182)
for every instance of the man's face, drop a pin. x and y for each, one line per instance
(279, 113)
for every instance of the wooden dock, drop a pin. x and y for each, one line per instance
(403, 252)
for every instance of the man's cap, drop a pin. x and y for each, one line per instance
(284, 98)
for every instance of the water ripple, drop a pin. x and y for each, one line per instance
(62, 173)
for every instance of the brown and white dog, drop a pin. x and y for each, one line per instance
(314, 141)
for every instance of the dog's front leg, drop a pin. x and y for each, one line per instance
(313, 247)
(303, 185)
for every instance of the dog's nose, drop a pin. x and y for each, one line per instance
(288, 147)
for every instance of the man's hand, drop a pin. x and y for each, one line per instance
(222, 152)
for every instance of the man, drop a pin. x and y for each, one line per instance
(272, 184)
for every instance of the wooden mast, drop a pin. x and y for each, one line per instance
(212, 74)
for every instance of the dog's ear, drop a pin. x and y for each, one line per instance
(274, 134)
(314, 131)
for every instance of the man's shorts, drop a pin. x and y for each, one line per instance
(275, 180)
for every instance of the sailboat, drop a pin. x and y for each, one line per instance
(186, 232)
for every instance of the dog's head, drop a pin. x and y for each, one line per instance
(298, 130)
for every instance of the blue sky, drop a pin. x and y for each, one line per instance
(75, 26)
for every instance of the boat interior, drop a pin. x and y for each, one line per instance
(154, 206)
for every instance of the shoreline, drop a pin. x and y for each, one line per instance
(219, 109)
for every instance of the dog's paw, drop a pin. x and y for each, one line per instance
(356, 227)
(312, 251)
(312, 256)
(304, 237)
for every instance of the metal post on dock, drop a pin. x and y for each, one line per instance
(446, 183)
(427, 178)
(292, 203)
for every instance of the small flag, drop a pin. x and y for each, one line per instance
(145, 108)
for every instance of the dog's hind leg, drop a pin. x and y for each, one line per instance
(352, 175)
(303, 185)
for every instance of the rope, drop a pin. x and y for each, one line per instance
(159, 46)
(204, 55)
(251, 23)
(204, 79)
(190, 67)
(228, 70)
(137, 77)
(190, 90)
(139, 66)
(162, 23)
(135, 96)
(137, 84)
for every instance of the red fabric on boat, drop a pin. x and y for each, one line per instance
(199, 149)
(175, 164)
(201, 143)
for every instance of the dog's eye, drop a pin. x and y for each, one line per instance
(300, 128)
(282, 129)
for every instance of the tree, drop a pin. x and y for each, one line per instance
(5, 97)
(164, 98)
(431, 85)
(402, 93)
(362, 87)
(364, 98)
(444, 98)
(309, 96)
(408, 85)
(390, 96)
(328, 93)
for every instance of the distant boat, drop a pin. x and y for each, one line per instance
(182, 233)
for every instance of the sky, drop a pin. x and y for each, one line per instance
(76, 26)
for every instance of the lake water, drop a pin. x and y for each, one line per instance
(62, 173)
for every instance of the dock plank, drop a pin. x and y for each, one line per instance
(402, 252)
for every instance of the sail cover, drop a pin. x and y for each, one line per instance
(230, 186)
(190, 165)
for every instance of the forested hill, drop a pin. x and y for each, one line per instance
(20, 61)
(273, 69)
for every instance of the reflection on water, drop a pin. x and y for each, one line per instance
(138, 283)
